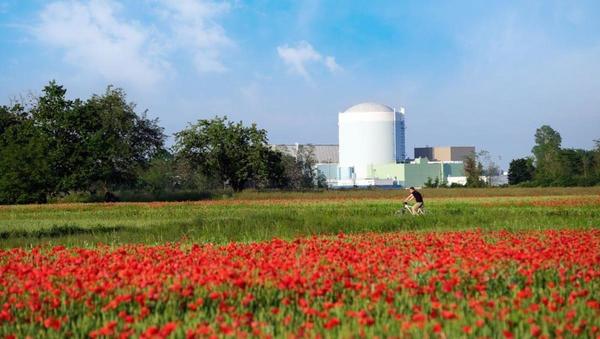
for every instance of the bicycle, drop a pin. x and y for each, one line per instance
(408, 209)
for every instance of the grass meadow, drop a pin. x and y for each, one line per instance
(258, 216)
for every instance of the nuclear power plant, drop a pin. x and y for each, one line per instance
(372, 152)
(370, 134)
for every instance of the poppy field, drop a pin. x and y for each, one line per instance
(497, 267)
(453, 284)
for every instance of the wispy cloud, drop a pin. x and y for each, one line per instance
(299, 56)
(195, 29)
(96, 39)
(99, 37)
(331, 64)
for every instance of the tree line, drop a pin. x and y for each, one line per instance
(552, 165)
(52, 147)
(548, 165)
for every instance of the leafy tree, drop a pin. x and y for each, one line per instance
(577, 168)
(489, 168)
(473, 171)
(547, 154)
(53, 115)
(117, 142)
(276, 173)
(187, 177)
(596, 159)
(10, 116)
(301, 171)
(292, 171)
(563, 167)
(24, 169)
(159, 176)
(587, 163)
(231, 152)
(321, 180)
(307, 163)
(98, 144)
(520, 170)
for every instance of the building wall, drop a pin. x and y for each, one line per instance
(454, 169)
(417, 172)
(330, 171)
(424, 152)
(345, 173)
(399, 130)
(459, 153)
(392, 171)
(444, 153)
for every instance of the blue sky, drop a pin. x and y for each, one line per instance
(483, 73)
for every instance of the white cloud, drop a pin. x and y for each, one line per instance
(97, 40)
(331, 64)
(195, 30)
(97, 37)
(299, 56)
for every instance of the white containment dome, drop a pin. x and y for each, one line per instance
(370, 134)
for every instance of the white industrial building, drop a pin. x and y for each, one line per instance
(369, 134)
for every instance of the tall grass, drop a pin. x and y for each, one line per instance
(363, 193)
(379, 193)
(254, 220)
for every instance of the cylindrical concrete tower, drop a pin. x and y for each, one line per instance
(370, 134)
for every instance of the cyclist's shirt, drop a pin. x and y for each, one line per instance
(418, 196)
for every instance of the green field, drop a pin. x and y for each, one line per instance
(253, 216)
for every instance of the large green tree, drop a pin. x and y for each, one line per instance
(117, 141)
(98, 144)
(237, 155)
(547, 154)
(276, 174)
(520, 170)
(24, 169)
(54, 115)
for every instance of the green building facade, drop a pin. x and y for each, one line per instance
(415, 173)
(418, 172)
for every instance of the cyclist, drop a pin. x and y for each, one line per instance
(416, 195)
